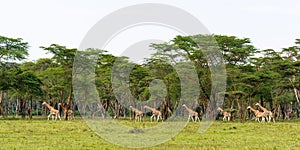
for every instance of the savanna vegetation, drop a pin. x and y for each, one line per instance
(266, 76)
(42, 134)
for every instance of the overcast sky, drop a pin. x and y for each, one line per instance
(268, 23)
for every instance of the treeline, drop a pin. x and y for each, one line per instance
(252, 75)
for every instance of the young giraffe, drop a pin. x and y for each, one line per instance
(226, 115)
(257, 114)
(191, 114)
(154, 113)
(53, 111)
(268, 113)
(70, 112)
(138, 114)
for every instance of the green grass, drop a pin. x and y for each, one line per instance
(43, 134)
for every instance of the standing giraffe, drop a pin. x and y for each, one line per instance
(138, 114)
(226, 115)
(154, 113)
(52, 110)
(257, 114)
(268, 113)
(70, 112)
(191, 114)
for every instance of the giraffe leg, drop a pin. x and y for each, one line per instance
(257, 119)
(197, 118)
(151, 118)
(262, 119)
(49, 116)
(193, 118)
(161, 118)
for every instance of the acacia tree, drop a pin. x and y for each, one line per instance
(291, 56)
(64, 58)
(25, 85)
(10, 50)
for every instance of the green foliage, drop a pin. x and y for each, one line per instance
(252, 75)
(12, 49)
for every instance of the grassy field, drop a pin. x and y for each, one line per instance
(43, 134)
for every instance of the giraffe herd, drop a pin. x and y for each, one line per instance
(156, 113)
(260, 116)
(55, 113)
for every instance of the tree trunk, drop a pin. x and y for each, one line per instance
(166, 108)
(296, 95)
(17, 107)
(23, 105)
(262, 102)
(278, 111)
(30, 109)
(37, 108)
(271, 105)
(232, 104)
(1, 104)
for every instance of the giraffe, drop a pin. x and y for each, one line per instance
(70, 112)
(138, 114)
(268, 113)
(191, 114)
(154, 113)
(52, 110)
(257, 114)
(226, 115)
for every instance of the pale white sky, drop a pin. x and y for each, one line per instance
(269, 23)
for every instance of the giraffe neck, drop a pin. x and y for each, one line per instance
(253, 110)
(152, 109)
(64, 108)
(189, 110)
(48, 106)
(134, 109)
(264, 109)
